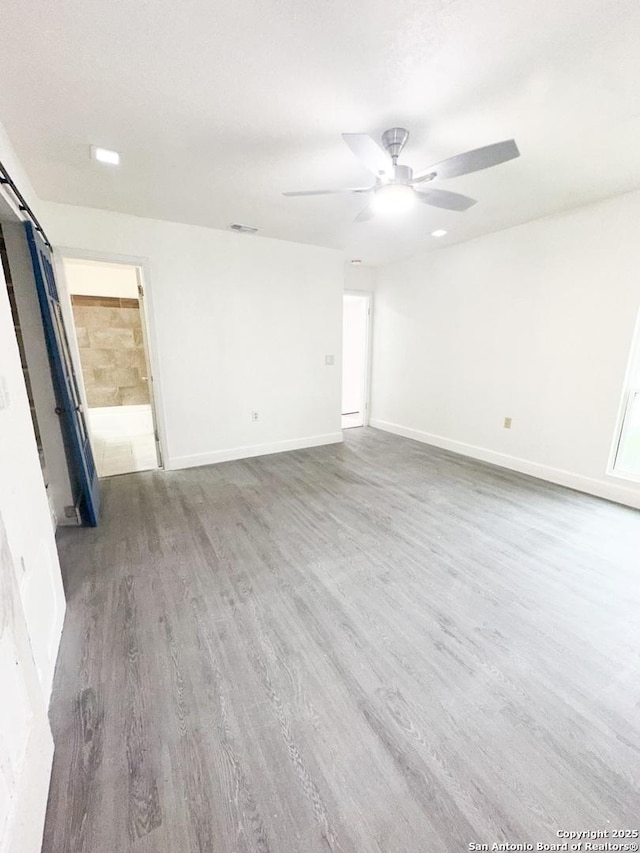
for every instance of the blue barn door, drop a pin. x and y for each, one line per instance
(69, 408)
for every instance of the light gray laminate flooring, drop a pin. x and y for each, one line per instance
(375, 646)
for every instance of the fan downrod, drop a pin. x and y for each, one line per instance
(394, 139)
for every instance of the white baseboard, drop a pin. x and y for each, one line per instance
(600, 488)
(246, 452)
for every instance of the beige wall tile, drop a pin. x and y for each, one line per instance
(112, 354)
(97, 396)
(133, 358)
(127, 376)
(95, 318)
(114, 339)
(104, 376)
(93, 357)
(135, 396)
(128, 318)
(83, 336)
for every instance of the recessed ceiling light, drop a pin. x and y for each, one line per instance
(439, 233)
(104, 155)
(356, 261)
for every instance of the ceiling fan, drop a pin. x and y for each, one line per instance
(396, 189)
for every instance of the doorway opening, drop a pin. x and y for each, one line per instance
(626, 450)
(356, 319)
(107, 301)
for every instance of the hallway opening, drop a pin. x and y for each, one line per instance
(109, 319)
(355, 359)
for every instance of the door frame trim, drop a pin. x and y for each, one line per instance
(148, 313)
(368, 295)
(633, 363)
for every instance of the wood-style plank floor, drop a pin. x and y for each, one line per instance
(375, 646)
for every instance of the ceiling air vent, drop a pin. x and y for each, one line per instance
(243, 229)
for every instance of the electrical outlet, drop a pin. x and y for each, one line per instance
(507, 423)
(254, 416)
(328, 359)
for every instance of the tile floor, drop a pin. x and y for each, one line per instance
(122, 439)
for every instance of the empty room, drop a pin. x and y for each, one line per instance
(319, 426)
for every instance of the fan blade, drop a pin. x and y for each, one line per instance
(369, 153)
(474, 161)
(365, 213)
(329, 192)
(445, 199)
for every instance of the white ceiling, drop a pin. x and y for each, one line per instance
(217, 107)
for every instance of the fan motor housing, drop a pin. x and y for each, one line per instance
(402, 174)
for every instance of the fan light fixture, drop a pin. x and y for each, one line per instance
(395, 188)
(393, 199)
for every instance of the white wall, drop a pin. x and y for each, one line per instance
(31, 608)
(23, 499)
(241, 324)
(31, 595)
(26, 745)
(359, 277)
(534, 323)
(89, 278)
